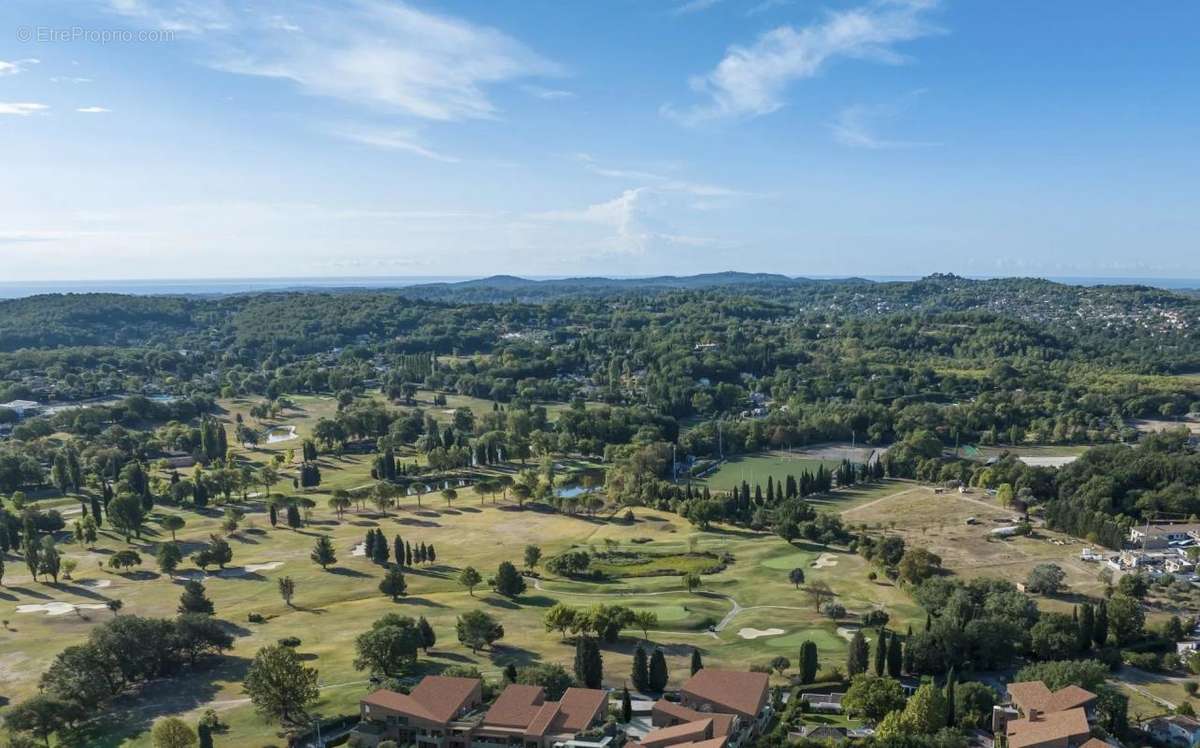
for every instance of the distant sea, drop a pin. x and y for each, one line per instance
(224, 286)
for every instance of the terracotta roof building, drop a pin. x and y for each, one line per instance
(1049, 719)
(729, 691)
(443, 712)
(439, 711)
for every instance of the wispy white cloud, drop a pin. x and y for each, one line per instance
(636, 222)
(93, 110)
(547, 94)
(21, 108)
(12, 67)
(855, 126)
(767, 5)
(660, 182)
(752, 80)
(69, 79)
(376, 53)
(693, 6)
(392, 139)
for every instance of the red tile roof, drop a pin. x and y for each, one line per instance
(735, 691)
(516, 706)
(722, 723)
(1048, 729)
(525, 708)
(688, 732)
(436, 698)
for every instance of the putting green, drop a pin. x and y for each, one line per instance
(825, 640)
(665, 613)
(800, 559)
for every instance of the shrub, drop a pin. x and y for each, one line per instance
(256, 618)
(290, 642)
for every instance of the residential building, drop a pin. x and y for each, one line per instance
(1175, 729)
(734, 701)
(442, 712)
(1160, 536)
(439, 712)
(823, 702)
(1049, 719)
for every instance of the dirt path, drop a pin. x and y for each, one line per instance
(880, 499)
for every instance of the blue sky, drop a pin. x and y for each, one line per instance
(228, 138)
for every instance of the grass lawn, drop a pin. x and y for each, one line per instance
(756, 468)
(333, 607)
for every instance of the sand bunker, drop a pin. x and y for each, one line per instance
(359, 550)
(749, 633)
(96, 584)
(250, 569)
(59, 609)
(847, 633)
(281, 434)
(825, 559)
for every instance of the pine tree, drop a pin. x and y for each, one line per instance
(428, 637)
(697, 663)
(322, 552)
(641, 670)
(589, 665)
(194, 600)
(881, 652)
(658, 672)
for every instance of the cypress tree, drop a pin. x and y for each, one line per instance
(369, 544)
(398, 551)
(408, 554)
(431, 554)
(626, 706)
(380, 548)
(1100, 626)
(293, 516)
(950, 683)
(510, 673)
(894, 657)
(641, 670)
(658, 671)
(96, 511)
(808, 662)
(858, 656)
(697, 663)
(274, 513)
(1087, 621)
(589, 665)
(204, 733)
(928, 621)
(881, 652)
(428, 637)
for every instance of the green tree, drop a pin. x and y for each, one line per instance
(508, 581)
(428, 636)
(50, 560)
(169, 557)
(560, 618)
(322, 552)
(858, 655)
(126, 514)
(394, 584)
(287, 589)
(973, 702)
(626, 706)
(389, 647)
(880, 661)
(895, 657)
(589, 664)
(697, 663)
(533, 554)
(42, 716)
(194, 599)
(796, 577)
(641, 669)
(873, 698)
(172, 523)
(280, 686)
(658, 671)
(172, 732)
(470, 578)
(1126, 619)
(551, 677)
(478, 629)
(691, 582)
(809, 664)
